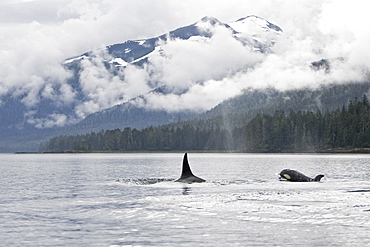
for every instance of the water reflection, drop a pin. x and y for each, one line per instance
(186, 190)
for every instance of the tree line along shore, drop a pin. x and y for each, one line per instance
(344, 130)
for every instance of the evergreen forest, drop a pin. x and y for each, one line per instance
(300, 131)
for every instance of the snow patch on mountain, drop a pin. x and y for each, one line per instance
(141, 42)
(254, 25)
(74, 59)
(256, 32)
(119, 62)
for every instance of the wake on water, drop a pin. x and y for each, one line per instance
(142, 181)
(153, 181)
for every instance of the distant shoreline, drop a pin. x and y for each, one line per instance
(272, 151)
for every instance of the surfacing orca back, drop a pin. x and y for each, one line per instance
(187, 176)
(295, 176)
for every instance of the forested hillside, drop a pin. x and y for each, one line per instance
(231, 113)
(344, 127)
(295, 131)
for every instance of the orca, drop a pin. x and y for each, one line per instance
(187, 176)
(295, 176)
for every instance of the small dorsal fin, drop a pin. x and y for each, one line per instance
(318, 178)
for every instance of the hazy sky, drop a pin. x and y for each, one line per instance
(76, 26)
(36, 36)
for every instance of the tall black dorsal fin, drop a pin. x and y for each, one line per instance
(186, 171)
(186, 174)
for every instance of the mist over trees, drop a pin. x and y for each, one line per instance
(310, 131)
(148, 139)
(293, 131)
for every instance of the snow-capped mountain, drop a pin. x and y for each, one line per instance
(253, 31)
(177, 75)
(161, 97)
(256, 32)
(173, 64)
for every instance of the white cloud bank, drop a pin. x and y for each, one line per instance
(37, 36)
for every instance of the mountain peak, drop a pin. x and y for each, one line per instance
(211, 20)
(248, 24)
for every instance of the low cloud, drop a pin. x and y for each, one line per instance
(200, 67)
(102, 87)
(34, 44)
(198, 98)
(184, 62)
(53, 120)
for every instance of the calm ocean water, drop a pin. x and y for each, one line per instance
(131, 200)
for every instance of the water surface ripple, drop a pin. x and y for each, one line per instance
(131, 200)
